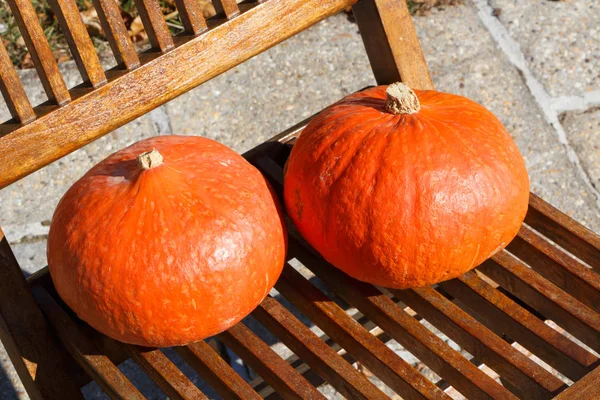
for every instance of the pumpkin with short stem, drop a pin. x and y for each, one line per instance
(404, 188)
(167, 242)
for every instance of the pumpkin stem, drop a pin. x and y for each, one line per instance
(400, 99)
(149, 159)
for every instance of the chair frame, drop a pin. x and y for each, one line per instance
(54, 353)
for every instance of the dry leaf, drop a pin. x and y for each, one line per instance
(208, 10)
(363, 370)
(136, 30)
(27, 62)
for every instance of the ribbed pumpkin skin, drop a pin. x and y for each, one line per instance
(406, 200)
(169, 255)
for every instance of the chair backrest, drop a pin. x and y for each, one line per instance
(71, 118)
(106, 100)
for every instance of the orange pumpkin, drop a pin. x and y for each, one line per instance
(406, 189)
(167, 242)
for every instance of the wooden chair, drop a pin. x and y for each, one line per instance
(508, 300)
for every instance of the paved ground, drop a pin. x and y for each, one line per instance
(535, 64)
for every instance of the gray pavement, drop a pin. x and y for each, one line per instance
(536, 66)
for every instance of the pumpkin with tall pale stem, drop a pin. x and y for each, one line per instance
(167, 242)
(404, 188)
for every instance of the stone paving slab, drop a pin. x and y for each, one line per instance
(482, 73)
(559, 40)
(583, 132)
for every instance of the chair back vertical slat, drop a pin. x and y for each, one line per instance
(116, 33)
(229, 7)
(191, 16)
(34, 350)
(79, 40)
(39, 48)
(155, 25)
(12, 90)
(392, 46)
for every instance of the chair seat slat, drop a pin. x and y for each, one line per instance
(191, 16)
(310, 348)
(39, 48)
(12, 90)
(257, 354)
(407, 331)
(551, 262)
(79, 40)
(96, 364)
(528, 378)
(155, 25)
(505, 317)
(216, 372)
(562, 229)
(362, 345)
(165, 374)
(548, 299)
(116, 33)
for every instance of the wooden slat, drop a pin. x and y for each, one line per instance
(407, 331)
(165, 374)
(97, 365)
(155, 25)
(191, 16)
(558, 267)
(81, 45)
(392, 43)
(154, 83)
(586, 388)
(552, 302)
(507, 318)
(564, 230)
(42, 363)
(116, 33)
(229, 7)
(528, 379)
(40, 51)
(364, 347)
(273, 369)
(216, 372)
(310, 348)
(12, 90)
